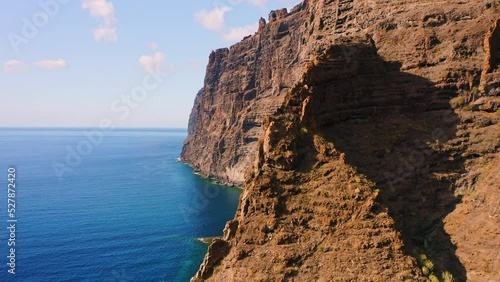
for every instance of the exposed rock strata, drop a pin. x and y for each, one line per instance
(365, 134)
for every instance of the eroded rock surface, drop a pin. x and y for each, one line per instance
(366, 137)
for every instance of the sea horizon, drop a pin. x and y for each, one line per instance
(128, 211)
(91, 127)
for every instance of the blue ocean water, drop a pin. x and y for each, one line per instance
(118, 209)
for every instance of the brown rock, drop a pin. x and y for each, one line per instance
(340, 112)
(216, 252)
(490, 77)
(277, 15)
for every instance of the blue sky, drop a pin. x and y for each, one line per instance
(77, 63)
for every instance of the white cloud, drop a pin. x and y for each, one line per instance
(52, 64)
(153, 45)
(259, 3)
(107, 33)
(13, 66)
(237, 33)
(100, 9)
(105, 11)
(212, 19)
(152, 63)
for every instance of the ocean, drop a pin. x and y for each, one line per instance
(111, 207)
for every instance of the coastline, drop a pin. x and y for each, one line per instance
(207, 240)
(212, 180)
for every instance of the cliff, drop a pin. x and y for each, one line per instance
(366, 137)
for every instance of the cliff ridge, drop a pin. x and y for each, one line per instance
(365, 135)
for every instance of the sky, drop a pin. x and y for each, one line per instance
(85, 63)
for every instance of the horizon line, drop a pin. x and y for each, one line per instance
(87, 127)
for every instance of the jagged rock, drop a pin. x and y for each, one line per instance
(335, 119)
(488, 104)
(216, 252)
(262, 23)
(490, 77)
(277, 15)
(230, 229)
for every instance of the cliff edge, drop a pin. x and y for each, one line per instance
(365, 135)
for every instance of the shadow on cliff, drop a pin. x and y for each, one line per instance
(396, 128)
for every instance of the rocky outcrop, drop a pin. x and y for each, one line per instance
(491, 70)
(243, 85)
(365, 135)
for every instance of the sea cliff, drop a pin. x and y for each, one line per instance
(365, 135)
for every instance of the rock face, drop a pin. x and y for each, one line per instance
(366, 137)
(243, 85)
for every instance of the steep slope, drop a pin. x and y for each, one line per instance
(365, 135)
(243, 85)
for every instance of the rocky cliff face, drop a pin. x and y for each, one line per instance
(366, 137)
(243, 85)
